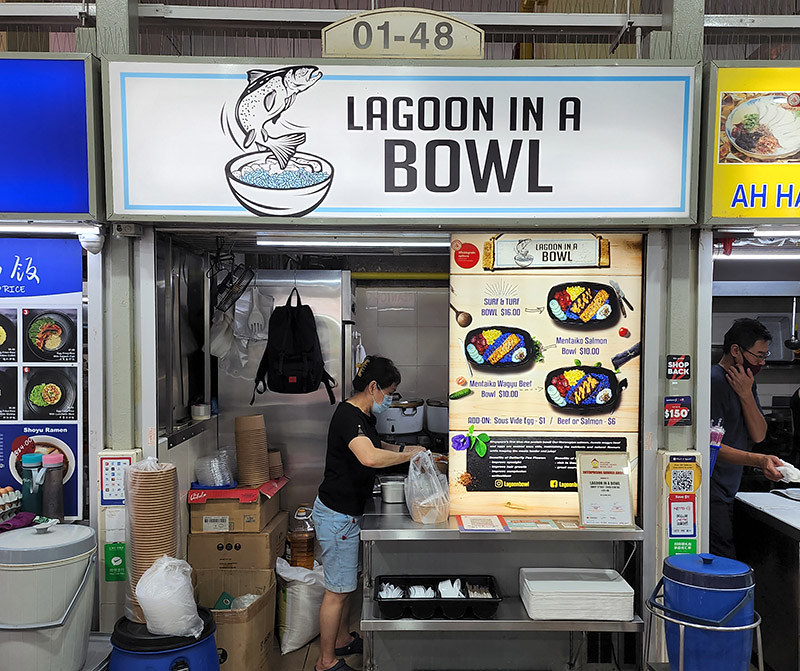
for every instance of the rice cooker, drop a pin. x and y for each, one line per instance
(436, 416)
(405, 415)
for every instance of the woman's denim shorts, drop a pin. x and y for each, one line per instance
(339, 537)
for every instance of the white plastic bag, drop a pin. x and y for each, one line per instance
(166, 596)
(427, 494)
(300, 593)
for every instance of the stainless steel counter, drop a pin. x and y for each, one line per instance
(392, 522)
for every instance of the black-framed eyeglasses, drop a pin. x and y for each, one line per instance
(759, 357)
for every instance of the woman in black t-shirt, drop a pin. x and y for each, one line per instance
(354, 452)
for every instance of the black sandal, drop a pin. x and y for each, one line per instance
(354, 647)
(341, 665)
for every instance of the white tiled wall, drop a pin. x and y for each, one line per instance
(408, 325)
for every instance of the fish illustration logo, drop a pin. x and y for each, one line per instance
(274, 178)
(267, 96)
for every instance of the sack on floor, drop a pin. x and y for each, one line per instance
(300, 594)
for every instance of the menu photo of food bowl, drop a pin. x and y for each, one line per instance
(50, 393)
(8, 394)
(759, 127)
(8, 335)
(39, 444)
(50, 335)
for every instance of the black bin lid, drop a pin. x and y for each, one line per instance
(134, 637)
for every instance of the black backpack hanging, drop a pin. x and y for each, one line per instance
(292, 362)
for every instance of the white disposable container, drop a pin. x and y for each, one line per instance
(47, 584)
(575, 594)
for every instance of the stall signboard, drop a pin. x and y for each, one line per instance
(47, 125)
(545, 344)
(336, 140)
(753, 160)
(41, 344)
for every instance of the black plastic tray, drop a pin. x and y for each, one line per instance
(425, 609)
(608, 322)
(614, 384)
(527, 342)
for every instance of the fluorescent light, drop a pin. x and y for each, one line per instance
(788, 256)
(777, 233)
(392, 244)
(62, 229)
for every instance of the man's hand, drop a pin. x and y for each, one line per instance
(768, 464)
(741, 380)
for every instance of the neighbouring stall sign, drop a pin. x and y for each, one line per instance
(426, 142)
(41, 376)
(756, 133)
(679, 367)
(46, 126)
(402, 32)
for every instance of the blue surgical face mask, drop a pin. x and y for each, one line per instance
(378, 408)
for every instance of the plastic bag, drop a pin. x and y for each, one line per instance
(166, 596)
(789, 472)
(427, 494)
(299, 598)
(244, 601)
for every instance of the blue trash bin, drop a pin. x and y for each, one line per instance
(135, 649)
(711, 591)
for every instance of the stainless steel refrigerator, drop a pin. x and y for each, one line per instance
(297, 424)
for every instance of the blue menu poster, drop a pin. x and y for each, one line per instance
(41, 372)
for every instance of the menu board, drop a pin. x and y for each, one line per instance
(41, 377)
(545, 345)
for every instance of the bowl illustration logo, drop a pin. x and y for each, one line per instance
(274, 178)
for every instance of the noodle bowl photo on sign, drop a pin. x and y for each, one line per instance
(758, 127)
(49, 393)
(49, 336)
(39, 444)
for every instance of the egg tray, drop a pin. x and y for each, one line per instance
(425, 609)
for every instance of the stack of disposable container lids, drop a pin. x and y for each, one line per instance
(275, 464)
(252, 456)
(151, 500)
(575, 594)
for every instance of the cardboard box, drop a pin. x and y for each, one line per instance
(244, 636)
(243, 509)
(240, 550)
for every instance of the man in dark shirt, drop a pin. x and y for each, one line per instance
(734, 400)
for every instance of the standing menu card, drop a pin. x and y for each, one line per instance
(604, 489)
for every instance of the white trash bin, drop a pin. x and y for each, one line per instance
(47, 581)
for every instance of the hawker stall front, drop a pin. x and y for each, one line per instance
(558, 200)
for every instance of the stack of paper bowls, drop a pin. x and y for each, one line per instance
(575, 594)
(252, 457)
(275, 464)
(152, 503)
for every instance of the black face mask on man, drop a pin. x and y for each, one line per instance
(752, 367)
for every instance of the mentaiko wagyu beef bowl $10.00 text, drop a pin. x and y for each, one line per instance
(258, 182)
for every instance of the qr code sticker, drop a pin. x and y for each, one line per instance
(682, 481)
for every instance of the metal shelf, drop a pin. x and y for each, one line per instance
(511, 616)
(658, 666)
(403, 528)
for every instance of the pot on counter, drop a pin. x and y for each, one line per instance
(436, 416)
(405, 415)
(393, 488)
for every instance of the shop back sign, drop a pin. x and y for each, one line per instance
(322, 140)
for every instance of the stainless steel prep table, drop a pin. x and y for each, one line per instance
(394, 544)
(767, 529)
